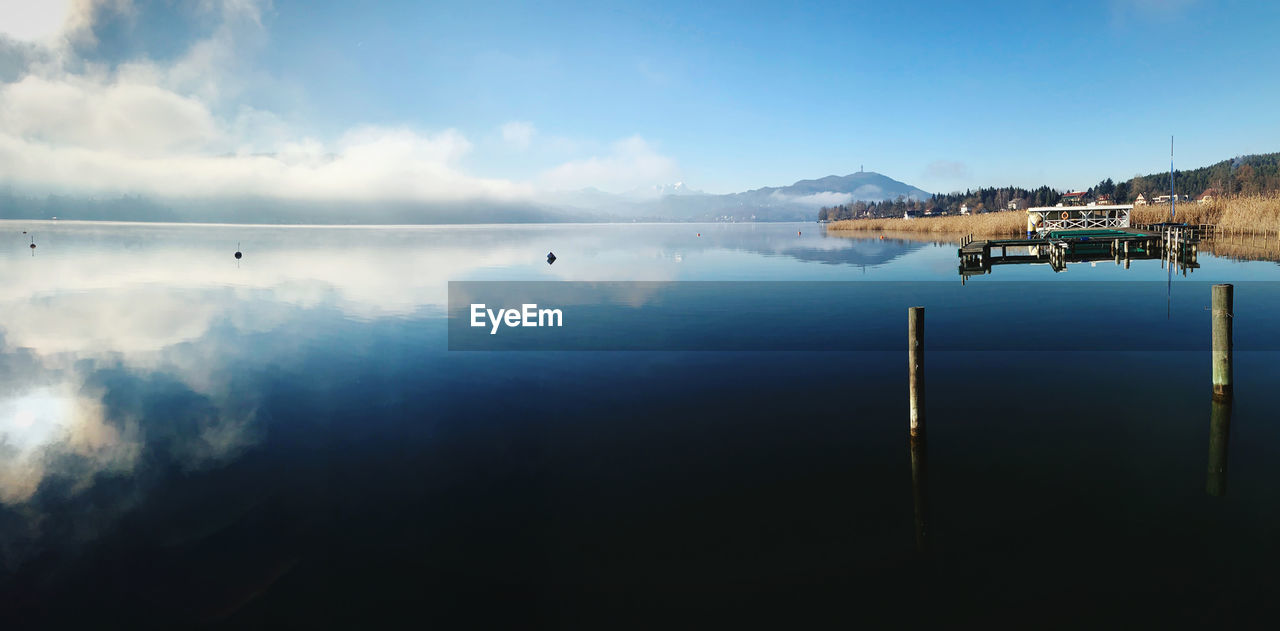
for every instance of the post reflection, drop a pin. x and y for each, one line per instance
(1219, 435)
(920, 491)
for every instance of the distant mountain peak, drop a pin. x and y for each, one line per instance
(662, 190)
(865, 186)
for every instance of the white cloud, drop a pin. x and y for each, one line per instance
(34, 20)
(176, 129)
(142, 127)
(518, 134)
(369, 164)
(130, 119)
(825, 198)
(630, 163)
(868, 192)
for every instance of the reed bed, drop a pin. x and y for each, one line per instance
(986, 225)
(1252, 214)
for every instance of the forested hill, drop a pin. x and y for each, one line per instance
(1243, 175)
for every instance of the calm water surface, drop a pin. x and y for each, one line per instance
(190, 440)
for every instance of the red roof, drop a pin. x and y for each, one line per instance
(1077, 194)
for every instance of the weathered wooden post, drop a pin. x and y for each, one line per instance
(915, 386)
(1219, 434)
(1222, 343)
(915, 366)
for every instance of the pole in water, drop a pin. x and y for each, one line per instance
(1222, 343)
(915, 367)
(1173, 194)
(238, 254)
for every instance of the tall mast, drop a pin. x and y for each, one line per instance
(1173, 192)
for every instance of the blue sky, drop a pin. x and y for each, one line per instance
(515, 97)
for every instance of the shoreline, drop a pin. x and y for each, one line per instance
(1252, 215)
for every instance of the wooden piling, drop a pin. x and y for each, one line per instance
(1222, 342)
(915, 366)
(1219, 435)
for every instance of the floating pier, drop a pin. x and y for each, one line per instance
(1176, 243)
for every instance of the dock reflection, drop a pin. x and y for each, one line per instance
(1173, 247)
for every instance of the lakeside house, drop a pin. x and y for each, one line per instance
(1075, 198)
(1017, 204)
(1103, 200)
(911, 214)
(1165, 199)
(1208, 196)
(964, 209)
(1141, 200)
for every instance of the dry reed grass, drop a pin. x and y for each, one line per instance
(988, 224)
(1253, 214)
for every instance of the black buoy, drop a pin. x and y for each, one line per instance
(33, 241)
(551, 257)
(238, 254)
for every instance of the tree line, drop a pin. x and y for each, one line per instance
(974, 201)
(1243, 175)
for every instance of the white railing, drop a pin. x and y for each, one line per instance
(1045, 219)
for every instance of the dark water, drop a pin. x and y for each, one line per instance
(186, 440)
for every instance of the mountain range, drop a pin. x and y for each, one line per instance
(796, 202)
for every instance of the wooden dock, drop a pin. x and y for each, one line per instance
(1179, 244)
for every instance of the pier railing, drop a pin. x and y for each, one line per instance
(1044, 219)
(1195, 231)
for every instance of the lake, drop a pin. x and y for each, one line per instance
(190, 439)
